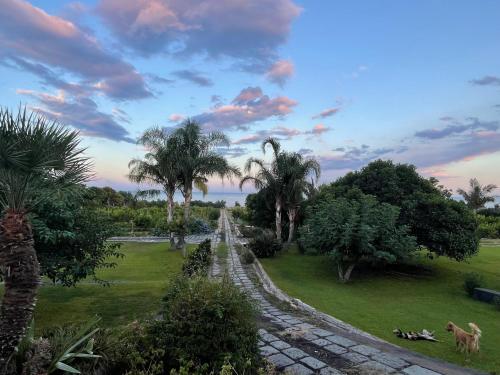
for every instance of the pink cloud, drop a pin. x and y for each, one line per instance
(28, 34)
(176, 117)
(319, 129)
(327, 113)
(280, 132)
(280, 72)
(248, 31)
(249, 106)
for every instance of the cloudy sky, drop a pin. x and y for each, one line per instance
(344, 81)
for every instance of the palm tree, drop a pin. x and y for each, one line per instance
(478, 195)
(159, 167)
(37, 159)
(197, 160)
(297, 185)
(271, 177)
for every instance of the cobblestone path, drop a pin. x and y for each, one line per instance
(297, 344)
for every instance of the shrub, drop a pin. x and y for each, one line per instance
(356, 230)
(214, 214)
(247, 256)
(496, 302)
(489, 226)
(198, 261)
(472, 280)
(249, 232)
(208, 322)
(265, 244)
(199, 226)
(132, 350)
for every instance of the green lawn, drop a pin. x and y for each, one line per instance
(137, 286)
(378, 304)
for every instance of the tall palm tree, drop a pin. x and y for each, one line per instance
(38, 158)
(478, 195)
(159, 167)
(298, 170)
(271, 177)
(197, 160)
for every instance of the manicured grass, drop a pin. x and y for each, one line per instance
(378, 304)
(137, 286)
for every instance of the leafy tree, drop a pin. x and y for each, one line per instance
(159, 167)
(478, 195)
(439, 223)
(197, 159)
(70, 239)
(354, 231)
(260, 208)
(37, 159)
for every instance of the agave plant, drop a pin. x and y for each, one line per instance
(78, 345)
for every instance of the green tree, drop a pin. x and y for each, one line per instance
(297, 185)
(355, 231)
(71, 238)
(37, 159)
(478, 195)
(159, 167)
(440, 224)
(197, 159)
(260, 206)
(271, 178)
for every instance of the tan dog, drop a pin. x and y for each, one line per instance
(468, 342)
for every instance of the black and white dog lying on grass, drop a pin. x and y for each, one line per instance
(410, 335)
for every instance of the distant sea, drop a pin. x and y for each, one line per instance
(229, 198)
(232, 198)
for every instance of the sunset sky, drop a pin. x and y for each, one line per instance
(347, 82)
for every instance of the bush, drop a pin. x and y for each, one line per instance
(265, 244)
(472, 280)
(198, 261)
(208, 322)
(489, 226)
(247, 256)
(199, 226)
(249, 232)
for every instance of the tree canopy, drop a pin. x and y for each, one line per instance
(439, 223)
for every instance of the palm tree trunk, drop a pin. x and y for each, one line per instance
(170, 216)
(278, 219)
(21, 273)
(292, 215)
(188, 195)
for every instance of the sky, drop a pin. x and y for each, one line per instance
(345, 82)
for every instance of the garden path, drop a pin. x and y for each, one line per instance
(297, 343)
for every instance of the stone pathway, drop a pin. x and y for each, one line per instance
(297, 344)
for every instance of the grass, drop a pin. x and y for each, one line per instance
(138, 283)
(378, 304)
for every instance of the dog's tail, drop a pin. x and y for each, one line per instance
(476, 332)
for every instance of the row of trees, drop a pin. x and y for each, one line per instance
(378, 215)
(179, 161)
